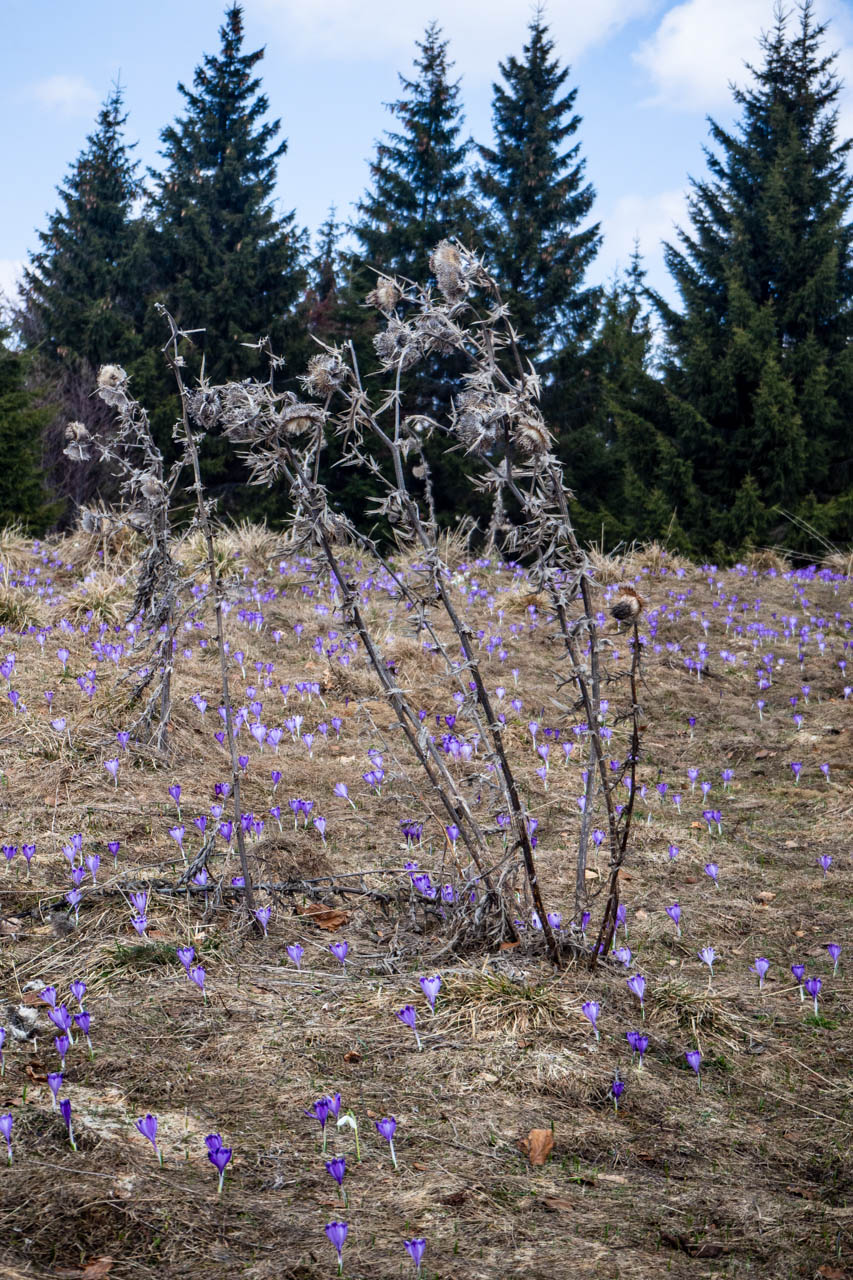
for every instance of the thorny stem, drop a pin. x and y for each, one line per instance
(171, 351)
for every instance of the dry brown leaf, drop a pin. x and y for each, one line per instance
(538, 1145)
(36, 1072)
(508, 946)
(97, 1269)
(352, 1056)
(765, 896)
(826, 1272)
(324, 917)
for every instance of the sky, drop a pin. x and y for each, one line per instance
(648, 74)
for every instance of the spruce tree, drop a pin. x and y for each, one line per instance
(420, 193)
(83, 287)
(419, 196)
(22, 495)
(762, 347)
(228, 262)
(537, 200)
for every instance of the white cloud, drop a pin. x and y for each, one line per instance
(65, 95)
(480, 31)
(648, 219)
(700, 48)
(11, 275)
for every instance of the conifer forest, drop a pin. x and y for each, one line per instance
(426, 698)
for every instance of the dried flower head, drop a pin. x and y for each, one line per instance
(531, 435)
(398, 344)
(77, 435)
(295, 419)
(447, 265)
(111, 375)
(385, 295)
(326, 373)
(152, 488)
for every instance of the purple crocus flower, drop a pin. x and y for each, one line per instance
(62, 1045)
(416, 1250)
(798, 970)
(796, 769)
(186, 955)
(623, 955)
(694, 1061)
(708, 955)
(591, 1009)
(54, 1083)
(813, 986)
(637, 984)
(673, 852)
(114, 846)
(48, 995)
(834, 950)
(824, 862)
(339, 951)
(295, 952)
(639, 1044)
(408, 1016)
(197, 975)
(431, 988)
(111, 767)
(65, 1112)
(147, 1126)
(320, 1111)
(712, 870)
(674, 913)
(175, 793)
(336, 1233)
(78, 990)
(218, 1156)
(262, 915)
(386, 1128)
(760, 967)
(6, 1123)
(617, 1088)
(337, 1168)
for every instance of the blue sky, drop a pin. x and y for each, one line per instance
(648, 73)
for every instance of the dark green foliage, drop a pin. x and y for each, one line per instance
(22, 494)
(762, 349)
(420, 186)
(83, 285)
(533, 184)
(226, 261)
(419, 196)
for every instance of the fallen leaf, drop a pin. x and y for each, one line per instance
(807, 1193)
(352, 1056)
(557, 1205)
(799, 933)
(508, 946)
(97, 1269)
(538, 1145)
(827, 1272)
(765, 896)
(613, 1177)
(696, 824)
(764, 754)
(422, 1167)
(526, 1044)
(589, 874)
(36, 1072)
(324, 917)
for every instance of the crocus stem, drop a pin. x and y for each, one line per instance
(393, 1155)
(418, 1041)
(221, 1182)
(160, 1156)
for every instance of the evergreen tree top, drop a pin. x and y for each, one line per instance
(538, 198)
(81, 281)
(419, 179)
(222, 145)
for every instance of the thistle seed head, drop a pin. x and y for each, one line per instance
(326, 373)
(385, 295)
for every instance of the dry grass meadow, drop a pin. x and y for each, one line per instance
(748, 1177)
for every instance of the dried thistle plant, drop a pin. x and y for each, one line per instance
(495, 418)
(130, 451)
